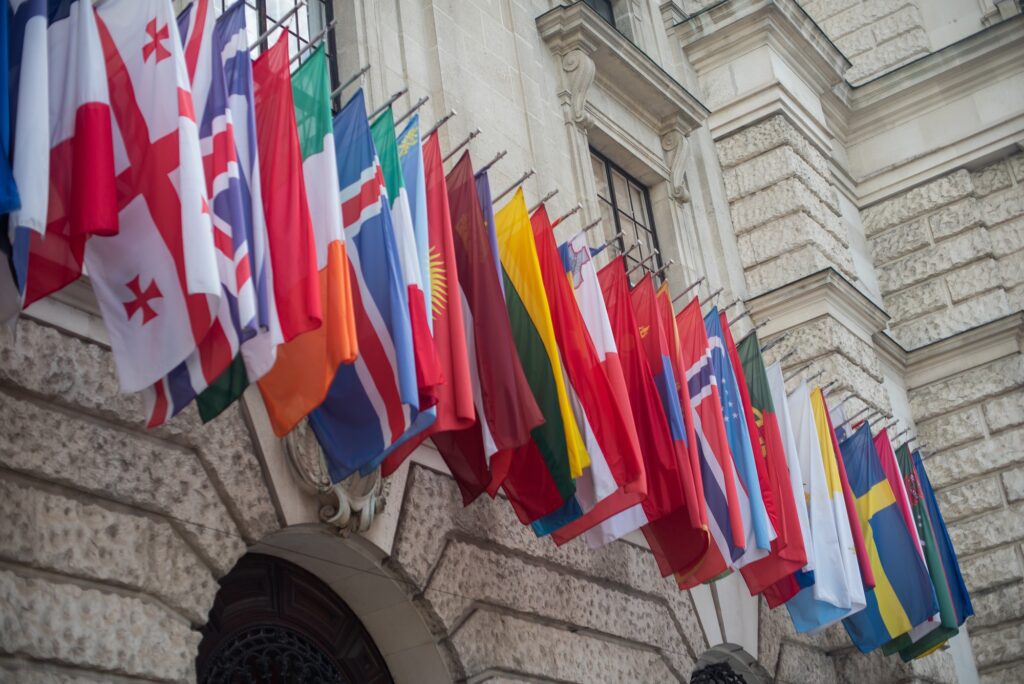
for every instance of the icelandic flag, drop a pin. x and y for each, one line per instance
(235, 319)
(369, 403)
(759, 529)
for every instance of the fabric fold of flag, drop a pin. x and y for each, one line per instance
(306, 365)
(902, 597)
(369, 402)
(535, 491)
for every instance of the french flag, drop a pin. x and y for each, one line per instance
(62, 67)
(369, 404)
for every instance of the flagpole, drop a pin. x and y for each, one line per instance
(631, 248)
(829, 384)
(614, 238)
(419, 103)
(774, 343)
(668, 264)
(593, 224)
(569, 213)
(277, 24)
(312, 41)
(734, 321)
(784, 356)
(543, 199)
(711, 296)
(465, 141)
(639, 264)
(350, 81)
(516, 184)
(441, 122)
(689, 287)
(390, 101)
(497, 158)
(816, 375)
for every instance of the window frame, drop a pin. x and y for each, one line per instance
(609, 167)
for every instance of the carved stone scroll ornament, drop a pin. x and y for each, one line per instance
(579, 76)
(357, 499)
(677, 151)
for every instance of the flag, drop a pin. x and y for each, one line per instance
(831, 588)
(453, 394)
(9, 199)
(156, 281)
(759, 529)
(479, 456)
(306, 365)
(258, 353)
(235, 318)
(428, 370)
(678, 545)
(615, 480)
(70, 154)
(773, 575)
(558, 439)
(369, 402)
(410, 153)
(483, 189)
(582, 276)
(723, 494)
(902, 597)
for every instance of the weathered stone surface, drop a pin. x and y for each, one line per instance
(786, 197)
(861, 40)
(852, 667)
(888, 55)
(1016, 163)
(952, 430)
(490, 640)
(1000, 645)
(1003, 526)
(1003, 205)
(900, 240)
(62, 534)
(951, 466)
(991, 178)
(120, 466)
(27, 672)
(1011, 269)
(860, 14)
(773, 166)
(1004, 412)
(792, 266)
(108, 632)
(917, 300)
(902, 21)
(974, 279)
(823, 9)
(955, 218)
(999, 605)
(773, 132)
(969, 387)
(1013, 484)
(932, 261)
(1013, 674)
(991, 569)
(916, 202)
(946, 322)
(971, 498)
(799, 663)
(824, 336)
(1007, 237)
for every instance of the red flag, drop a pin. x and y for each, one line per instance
(676, 543)
(616, 479)
(289, 227)
(455, 410)
(478, 456)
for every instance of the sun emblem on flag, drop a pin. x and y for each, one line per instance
(438, 283)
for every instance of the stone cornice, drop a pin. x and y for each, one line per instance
(576, 33)
(826, 292)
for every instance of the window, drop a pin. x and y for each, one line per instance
(603, 9)
(303, 25)
(626, 208)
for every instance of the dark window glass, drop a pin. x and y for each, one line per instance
(626, 208)
(603, 8)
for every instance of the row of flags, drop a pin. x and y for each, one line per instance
(237, 232)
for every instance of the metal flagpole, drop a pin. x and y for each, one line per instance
(497, 158)
(711, 296)
(350, 81)
(612, 239)
(440, 122)
(543, 199)
(419, 103)
(277, 24)
(689, 287)
(313, 41)
(668, 264)
(569, 213)
(465, 141)
(390, 101)
(519, 181)
(593, 224)
(639, 264)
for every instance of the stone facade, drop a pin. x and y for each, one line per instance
(851, 169)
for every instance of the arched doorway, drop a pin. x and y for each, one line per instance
(274, 622)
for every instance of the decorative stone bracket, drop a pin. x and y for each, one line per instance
(579, 76)
(677, 153)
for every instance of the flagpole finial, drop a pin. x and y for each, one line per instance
(711, 296)
(519, 181)
(465, 141)
(543, 199)
(689, 287)
(419, 103)
(594, 224)
(668, 264)
(497, 158)
(640, 264)
(277, 24)
(579, 205)
(440, 122)
(612, 239)
(734, 321)
(390, 101)
(350, 81)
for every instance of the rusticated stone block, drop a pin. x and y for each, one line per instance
(1011, 269)
(978, 534)
(1000, 605)
(773, 166)
(1001, 450)
(61, 534)
(1005, 411)
(827, 335)
(957, 318)
(953, 429)
(767, 135)
(858, 42)
(931, 261)
(939, 398)
(1013, 483)
(799, 663)
(991, 569)
(823, 9)
(917, 300)
(971, 498)
(991, 178)
(888, 55)
(1007, 237)
(955, 218)
(900, 240)
(489, 640)
(974, 279)
(27, 672)
(916, 202)
(1014, 674)
(786, 197)
(792, 266)
(787, 234)
(1016, 163)
(108, 632)
(116, 465)
(852, 666)
(998, 646)
(860, 14)
(1003, 205)
(906, 19)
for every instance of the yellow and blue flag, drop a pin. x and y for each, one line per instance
(902, 597)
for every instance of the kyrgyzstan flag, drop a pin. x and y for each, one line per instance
(718, 475)
(772, 575)
(615, 479)
(478, 456)
(677, 543)
(73, 147)
(450, 360)
(157, 280)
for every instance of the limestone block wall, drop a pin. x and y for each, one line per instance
(113, 536)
